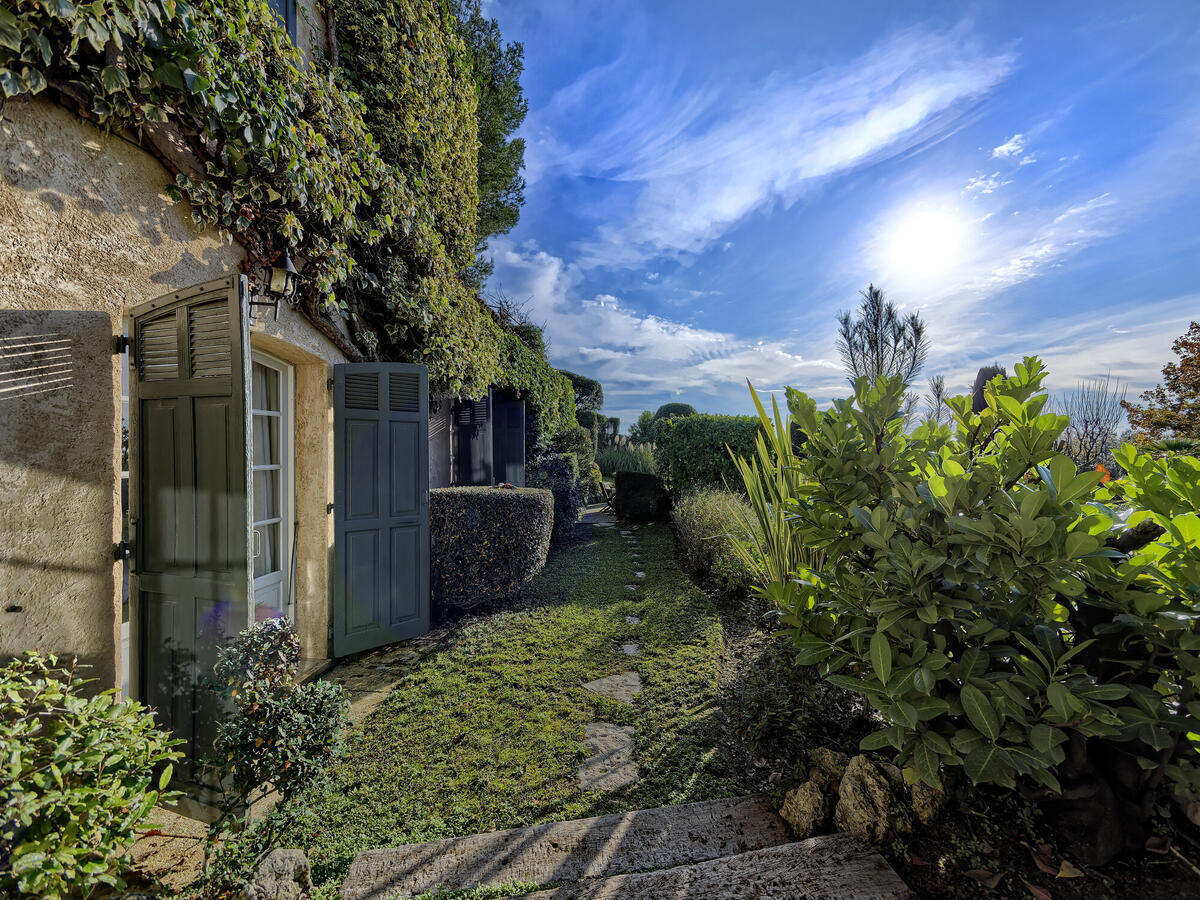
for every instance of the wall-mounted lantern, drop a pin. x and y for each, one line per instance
(277, 281)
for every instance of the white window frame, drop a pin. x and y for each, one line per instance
(287, 481)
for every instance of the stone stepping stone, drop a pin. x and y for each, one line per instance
(625, 533)
(623, 687)
(633, 620)
(639, 574)
(631, 649)
(631, 587)
(611, 764)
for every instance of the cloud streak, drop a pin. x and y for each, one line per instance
(697, 162)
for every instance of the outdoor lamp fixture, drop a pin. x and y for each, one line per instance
(277, 281)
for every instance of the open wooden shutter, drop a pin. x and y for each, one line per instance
(381, 504)
(189, 492)
(473, 442)
(508, 439)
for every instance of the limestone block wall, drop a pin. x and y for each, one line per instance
(85, 233)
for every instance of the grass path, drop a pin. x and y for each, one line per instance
(485, 732)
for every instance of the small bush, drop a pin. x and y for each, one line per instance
(486, 541)
(694, 451)
(707, 523)
(580, 442)
(625, 458)
(280, 735)
(76, 779)
(595, 484)
(559, 474)
(640, 497)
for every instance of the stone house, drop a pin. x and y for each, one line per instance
(184, 454)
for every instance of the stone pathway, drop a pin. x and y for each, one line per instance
(611, 766)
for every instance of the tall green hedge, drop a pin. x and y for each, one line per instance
(691, 451)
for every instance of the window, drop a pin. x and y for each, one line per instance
(271, 462)
(286, 10)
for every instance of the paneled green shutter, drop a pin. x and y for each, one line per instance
(381, 505)
(189, 487)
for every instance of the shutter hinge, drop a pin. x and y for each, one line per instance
(122, 551)
(120, 345)
(329, 384)
(329, 509)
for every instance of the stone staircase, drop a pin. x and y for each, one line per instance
(736, 848)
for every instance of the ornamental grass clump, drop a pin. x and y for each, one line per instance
(1009, 619)
(78, 775)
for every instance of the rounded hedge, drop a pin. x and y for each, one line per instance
(485, 542)
(694, 451)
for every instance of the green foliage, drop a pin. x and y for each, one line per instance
(694, 450)
(77, 778)
(642, 431)
(485, 542)
(559, 474)
(496, 69)
(625, 458)
(589, 393)
(880, 342)
(709, 522)
(594, 484)
(280, 735)
(639, 497)
(673, 410)
(972, 590)
(579, 441)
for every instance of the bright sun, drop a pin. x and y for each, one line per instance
(923, 244)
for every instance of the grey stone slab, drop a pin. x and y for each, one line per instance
(631, 587)
(623, 686)
(567, 851)
(639, 574)
(631, 649)
(633, 620)
(820, 868)
(611, 765)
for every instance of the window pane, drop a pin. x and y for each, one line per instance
(266, 440)
(266, 495)
(265, 394)
(266, 545)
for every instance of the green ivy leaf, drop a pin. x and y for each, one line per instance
(980, 711)
(881, 656)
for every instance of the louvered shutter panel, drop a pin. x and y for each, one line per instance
(473, 442)
(381, 505)
(508, 440)
(189, 490)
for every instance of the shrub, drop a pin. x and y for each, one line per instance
(625, 458)
(486, 541)
(640, 497)
(580, 442)
(76, 779)
(595, 484)
(280, 735)
(559, 474)
(693, 451)
(707, 523)
(982, 596)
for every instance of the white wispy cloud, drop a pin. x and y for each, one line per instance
(1014, 146)
(986, 184)
(695, 162)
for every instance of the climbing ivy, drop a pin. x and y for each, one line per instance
(364, 167)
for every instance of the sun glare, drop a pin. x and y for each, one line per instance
(923, 244)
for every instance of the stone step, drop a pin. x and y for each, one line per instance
(829, 867)
(568, 851)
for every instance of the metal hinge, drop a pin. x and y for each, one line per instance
(329, 509)
(120, 345)
(329, 384)
(122, 551)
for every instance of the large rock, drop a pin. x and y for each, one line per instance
(282, 875)
(927, 802)
(807, 809)
(827, 766)
(868, 805)
(640, 497)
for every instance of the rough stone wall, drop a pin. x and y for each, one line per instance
(85, 233)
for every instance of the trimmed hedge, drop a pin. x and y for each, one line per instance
(639, 497)
(559, 473)
(486, 541)
(708, 521)
(693, 451)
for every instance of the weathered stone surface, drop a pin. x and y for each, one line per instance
(927, 802)
(827, 765)
(282, 875)
(830, 867)
(867, 803)
(631, 648)
(624, 686)
(807, 809)
(611, 764)
(567, 851)
(633, 620)
(631, 587)
(639, 574)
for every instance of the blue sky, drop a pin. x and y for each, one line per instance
(711, 183)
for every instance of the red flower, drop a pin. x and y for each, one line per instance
(1106, 477)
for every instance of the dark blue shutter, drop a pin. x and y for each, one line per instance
(508, 439)
(381, 505)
